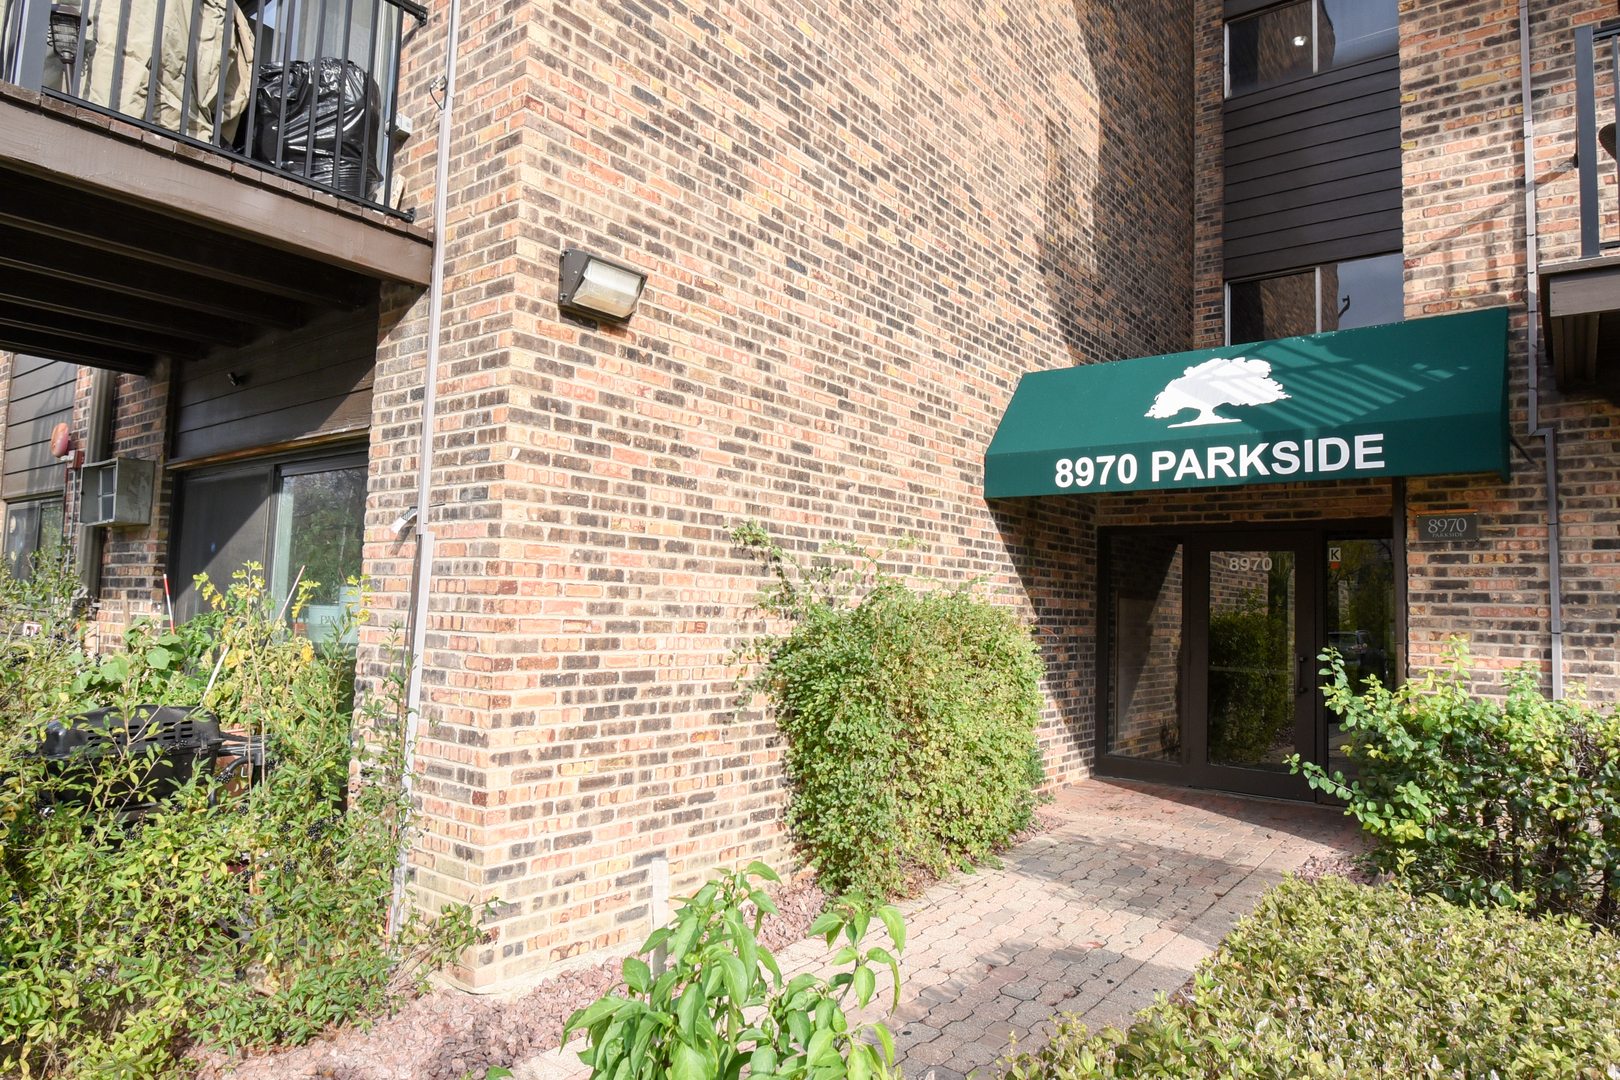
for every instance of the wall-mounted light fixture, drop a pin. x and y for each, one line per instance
(598, 287)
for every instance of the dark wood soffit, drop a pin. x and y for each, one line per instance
(59, 148)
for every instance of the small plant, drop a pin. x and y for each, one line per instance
(1513, 801)
(720, 1006)
(909, 717)
(132, 920)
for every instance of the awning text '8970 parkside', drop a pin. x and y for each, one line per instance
(1420, 398)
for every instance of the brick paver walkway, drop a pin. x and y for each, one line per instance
(1121, 899)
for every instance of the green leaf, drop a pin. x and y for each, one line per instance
(886, 1037)
(820, 1047)
(760, 870)
(686, 1012)
(685, 935)
(827, 925)
(591, 1014)
(895, 925)
(637, 975)
(860, 1062)
(688, 1064)
(865, 984)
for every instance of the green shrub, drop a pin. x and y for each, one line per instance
(1339, 980)
(721, 1005)
(909, 719)
(1513, 801)
(130, 927)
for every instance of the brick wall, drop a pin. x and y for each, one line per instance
(1465, 248)
(1209, 75)
(133, 560)
(861, 225)
(1464, 213)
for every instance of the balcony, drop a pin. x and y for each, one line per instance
(1580, 299)
(181, 176)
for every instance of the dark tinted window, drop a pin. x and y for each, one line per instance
(1363, 292)
(1350, 31)
(1273, 308)
(1268, 48)
(1286, 43)
(33, 531)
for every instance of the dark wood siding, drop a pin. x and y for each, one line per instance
(41, 398)
(301, 384)
(1313, 170)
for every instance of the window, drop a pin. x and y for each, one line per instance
(1269, 48)
(1295, 40)
(301, 519)
(33, 528)
(1333, 296)
(1350, 31)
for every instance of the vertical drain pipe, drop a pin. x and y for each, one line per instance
(424, 452)
(1533, 424)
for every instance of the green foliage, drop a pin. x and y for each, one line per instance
(131, 925)
(1336, 980)
(909, 718)
(721, 1005)
(1251, 698)
(1513, 801)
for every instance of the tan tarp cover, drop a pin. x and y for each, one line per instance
(136, 22)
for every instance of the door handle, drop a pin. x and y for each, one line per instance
(1301, 684)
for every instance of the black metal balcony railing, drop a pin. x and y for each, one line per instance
(308, 88)
(1589, 40)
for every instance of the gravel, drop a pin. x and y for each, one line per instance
(1341, 864)
(452, 1035)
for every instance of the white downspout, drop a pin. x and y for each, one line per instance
(424, 453)
(1533, 424)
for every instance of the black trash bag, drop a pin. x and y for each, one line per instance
(340, 142)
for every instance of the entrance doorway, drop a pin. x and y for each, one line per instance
(1208, 651)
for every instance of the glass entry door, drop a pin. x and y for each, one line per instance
(1252, 662)
(1209, 643)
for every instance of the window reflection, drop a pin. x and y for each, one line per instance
(1350, 31)
(1144, 648)
(1269, 48)
(1271, 308)
(320, 519)
(1298, 39)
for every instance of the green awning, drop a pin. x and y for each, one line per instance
(1420, 398)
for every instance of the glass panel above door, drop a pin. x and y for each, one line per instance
(1252, 659)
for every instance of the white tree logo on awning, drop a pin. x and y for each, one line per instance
(1221, 381)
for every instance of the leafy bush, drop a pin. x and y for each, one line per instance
(721, 1006)
(909, 719)
(1513, 801)
(225, 913)
(1339, 980)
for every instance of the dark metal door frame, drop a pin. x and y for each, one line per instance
(1309, 541)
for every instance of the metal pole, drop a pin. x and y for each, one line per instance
(1533, 424)
(424, 453)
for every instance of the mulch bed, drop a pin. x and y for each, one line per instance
(448, 1035)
